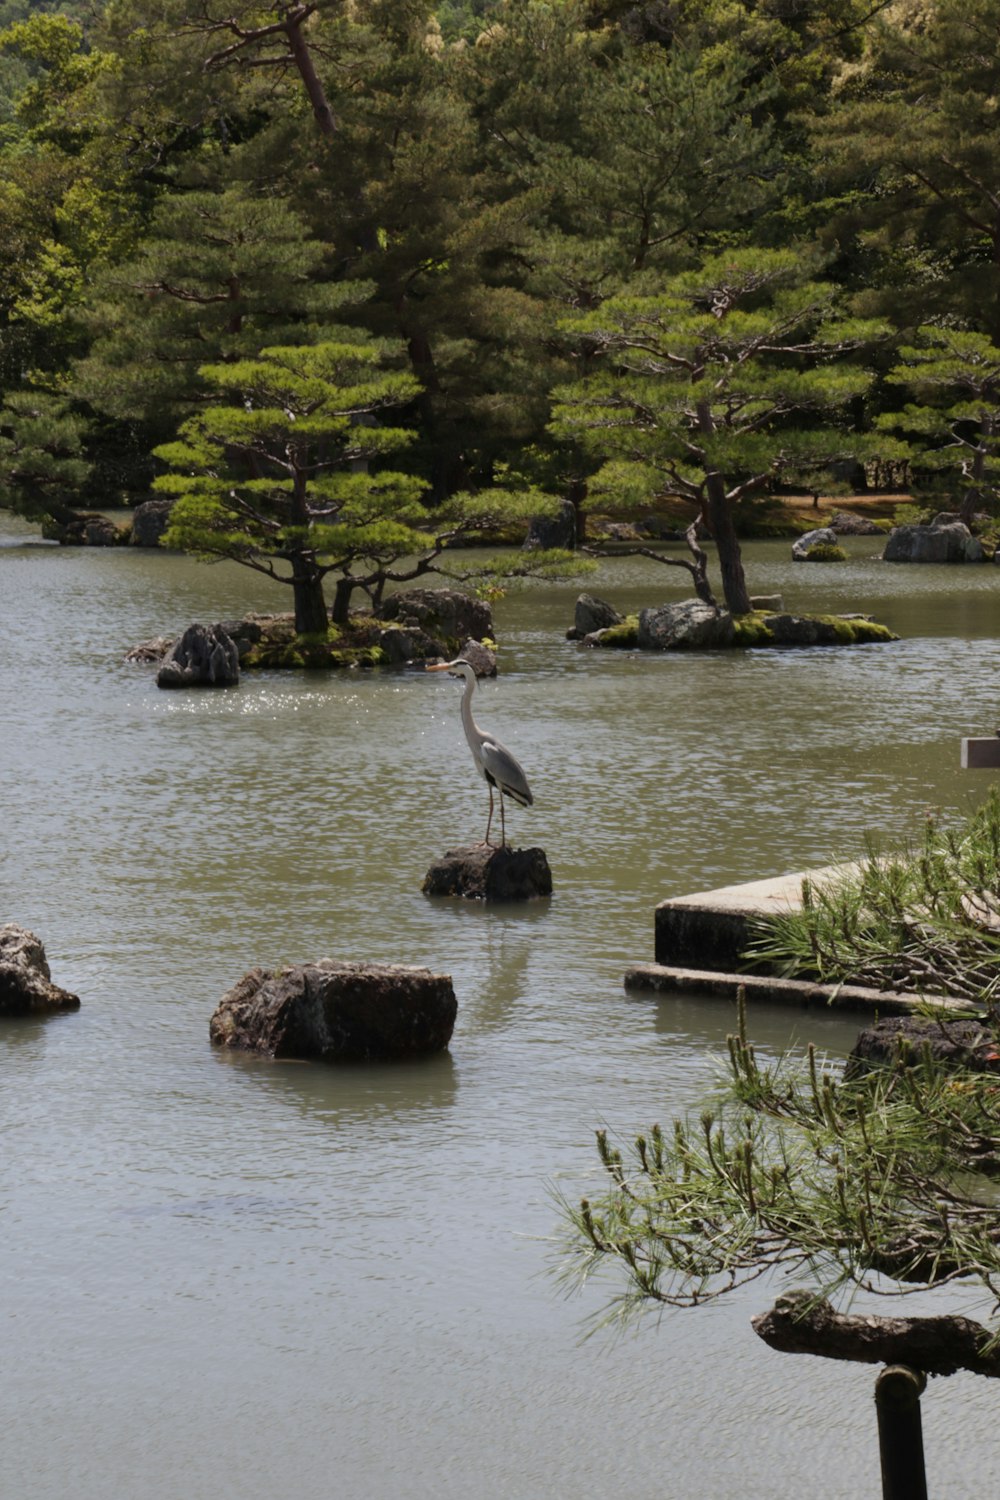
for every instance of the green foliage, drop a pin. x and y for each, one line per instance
(925, 920)
(42, 463)
(884, 1183)
(737, 374)
(954, 432)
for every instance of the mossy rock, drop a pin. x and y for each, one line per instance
(622, 637)
(752, 630)
(825, 552)
(765, 628)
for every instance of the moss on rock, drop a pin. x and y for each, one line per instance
(825, 552)
(623, 636)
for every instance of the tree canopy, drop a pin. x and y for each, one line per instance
(504, 194)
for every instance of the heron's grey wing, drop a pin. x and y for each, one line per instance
(503, 770)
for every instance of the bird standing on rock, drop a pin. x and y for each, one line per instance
(496, 764)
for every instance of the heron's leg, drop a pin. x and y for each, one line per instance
(489, 820)
(503, 830)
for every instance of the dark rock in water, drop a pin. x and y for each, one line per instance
(26, 986)
(205, 656)
(484, 873)
(969, 1044)
(545, 532)
(446, 614)
(950, 543)
(400, 644)
(590, 615)
(337, 1012)
(678, 627)
(149, 521)
(85, 529)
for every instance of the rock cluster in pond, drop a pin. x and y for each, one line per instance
(693, 625)
(85, 529)
(448, 615)
(482, 872)
(26, 986)
(969, 1044)
(332, 1011)
(205, 656)
(945, 540)
(416, 626)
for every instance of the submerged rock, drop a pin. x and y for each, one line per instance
(481, 872)
(205, 656)
(26, 986)
(332, 1011)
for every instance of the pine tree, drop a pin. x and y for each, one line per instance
(736, 375)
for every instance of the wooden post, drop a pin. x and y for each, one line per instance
(900, 1437)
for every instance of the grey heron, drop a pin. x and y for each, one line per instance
(493, 760)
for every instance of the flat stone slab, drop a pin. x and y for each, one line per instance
(665, 979)
(711, 929)
(483, 872)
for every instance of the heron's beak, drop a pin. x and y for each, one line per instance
(442, 666)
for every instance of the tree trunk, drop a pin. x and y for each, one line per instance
(311, 616)
(719, 515)
(307, 72)
(340, 612)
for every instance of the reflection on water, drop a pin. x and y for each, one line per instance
(364, 1253)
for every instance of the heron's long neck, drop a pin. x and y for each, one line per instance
(468, 722)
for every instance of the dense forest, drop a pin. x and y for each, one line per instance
(400, 271)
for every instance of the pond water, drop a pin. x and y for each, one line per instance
(227, 1278)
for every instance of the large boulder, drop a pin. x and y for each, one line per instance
(823, 536)
(26, 986)
(205, 656)
(484, 873)
(331, 1011)
(961, 1044)
(447, 614)
(149, 521)
(559, 530)
(678, 627)
(951, 542)
(590, 615)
